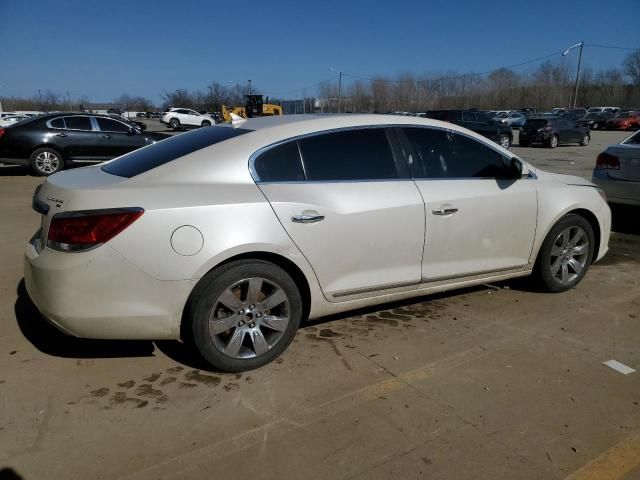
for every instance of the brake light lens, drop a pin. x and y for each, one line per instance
(81, 231)
(606, 161)
(1, 132)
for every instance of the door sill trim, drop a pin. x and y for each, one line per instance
(482, 273)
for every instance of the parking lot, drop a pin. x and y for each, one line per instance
(496, 381)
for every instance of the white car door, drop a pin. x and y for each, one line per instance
(478, 221)
(350, 206)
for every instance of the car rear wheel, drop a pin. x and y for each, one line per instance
(504, 141)
(206, 123)
(565, 255)
(46, 161)
(552, 142)
(595, 126)
(244, 314)
(175, 124)
(585, 140)
(523, 143)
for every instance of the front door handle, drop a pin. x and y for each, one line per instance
(106, 136)
(61, 134)
(307, 218)
(445, 211)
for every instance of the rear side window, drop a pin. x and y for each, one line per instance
(78, 123)
(57, 123)
(280, 164)
(349, 155)
(108, 125)
(140, 161)
(445, 154)
(537, 123)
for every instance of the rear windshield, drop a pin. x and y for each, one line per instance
(145, 159)
(537, 122)
(634, 139)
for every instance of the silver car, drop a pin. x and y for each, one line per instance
(617, 171)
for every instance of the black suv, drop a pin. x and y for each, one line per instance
(477, 121)
(552, 131)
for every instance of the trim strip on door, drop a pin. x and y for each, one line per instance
(475, 274)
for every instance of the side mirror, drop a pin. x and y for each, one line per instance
(132, 131)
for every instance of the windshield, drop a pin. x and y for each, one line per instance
(165, 151)
(624, 115)
(633, 139)
(594, 110)
(501, 115)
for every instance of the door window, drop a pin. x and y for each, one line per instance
(446, 154)
(57, 123)
(78, 123)
(279, 164)
(108, 125)
(349, 155)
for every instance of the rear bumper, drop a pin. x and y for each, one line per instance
(535, 138)
(618, 191)
(99, 294)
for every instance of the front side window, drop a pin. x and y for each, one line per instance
(446, 154)
(280, 164)
(349, 155)
(78, 123)
(108, 125)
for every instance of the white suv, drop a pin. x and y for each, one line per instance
(178, 118)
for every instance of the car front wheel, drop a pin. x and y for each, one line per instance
(585, 140)
(175, 124)
(504, 141)
(244, 314)
(552, 142)
(565, 255)
(46, 161)
(206, 123)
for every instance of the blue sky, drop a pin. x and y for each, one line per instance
(142, 47)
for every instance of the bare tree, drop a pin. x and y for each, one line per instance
(631, 67)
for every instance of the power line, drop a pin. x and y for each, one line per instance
(593, 45)
(317, 84)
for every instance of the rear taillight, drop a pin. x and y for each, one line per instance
(606, 161)
(80, 231)
(1, 132)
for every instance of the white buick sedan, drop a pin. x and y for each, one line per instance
(230, 237)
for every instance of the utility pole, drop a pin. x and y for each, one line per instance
(339, 90)
(249, 87)
(211, 98)
(40, 95)
(575, 93)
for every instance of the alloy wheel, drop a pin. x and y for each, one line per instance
(249, 318)
(505, 142)
(569, 254)
(47, 162)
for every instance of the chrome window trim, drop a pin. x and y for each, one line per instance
(297, 138)
(91, 120)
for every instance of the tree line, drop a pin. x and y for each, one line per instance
(551, 84)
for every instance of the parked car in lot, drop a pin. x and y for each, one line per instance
(595, 120)
(617, 171)
(513, 119)
(231, 237)
(133, 123)
(551, 131)
(50, 143)
(625, 120)
(179, 118)
(477, 121)
(12, 119)
(611, 110)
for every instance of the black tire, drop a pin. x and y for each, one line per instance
(586, 138)
(174, 123)
(542, 271)
(523, 144)
(206, 297)
(504, 141)
(206, 123)
(552, 142)
(46, 161)
(595, 126)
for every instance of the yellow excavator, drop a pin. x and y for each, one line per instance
(253, 107)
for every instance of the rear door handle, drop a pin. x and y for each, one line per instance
(307, 218)
(106, 136)
(445, 211)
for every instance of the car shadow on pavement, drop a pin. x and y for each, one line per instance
(8, 473)
(48, 339)
(14, 171)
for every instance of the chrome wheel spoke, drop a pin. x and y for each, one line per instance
(555, 266)
(566, 235)
(221, 325)
(556, 251)
(235, 342)
(579, 235)
(253, 292)
(260, 344)
(565, 273)
(278, 324)
(273, 300)
(575, 265)
(229, 300)
(580, 249)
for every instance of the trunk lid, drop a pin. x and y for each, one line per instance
(629, 157)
